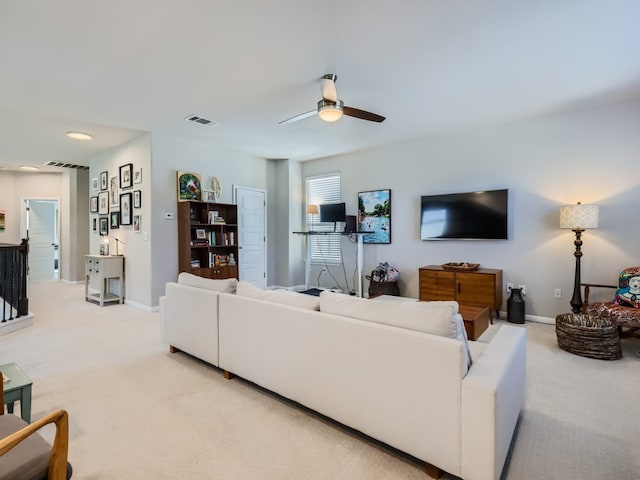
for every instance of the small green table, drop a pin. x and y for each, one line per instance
(18, 387)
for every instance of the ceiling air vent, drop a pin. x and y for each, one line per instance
(66, 165)
(200, 120)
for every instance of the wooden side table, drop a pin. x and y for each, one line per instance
(18, 387)
(476, 319)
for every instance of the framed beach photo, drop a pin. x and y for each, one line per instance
(126, 175)
(374, 215)
(125, 208)
(137, 199)
(103, 203)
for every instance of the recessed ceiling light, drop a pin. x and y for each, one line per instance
(79, 135)
(31, 168)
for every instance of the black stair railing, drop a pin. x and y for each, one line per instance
(13, 280)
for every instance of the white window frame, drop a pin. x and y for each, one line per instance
(321, 189)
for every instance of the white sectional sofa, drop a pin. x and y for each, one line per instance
(396, 371)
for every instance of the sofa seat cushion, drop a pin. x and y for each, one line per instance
(436, 318)
(228, 285)
(285, 297)
(29, 460)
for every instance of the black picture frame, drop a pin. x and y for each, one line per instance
(114, 219)
(103, 203)
(104, 181)
(104, 225)
(137, 199)
(93, 204)
(374, 215)
(125, 209)
(126, 175)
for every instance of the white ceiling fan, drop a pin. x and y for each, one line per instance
(331, 108)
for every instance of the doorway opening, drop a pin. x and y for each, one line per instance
(40, 225)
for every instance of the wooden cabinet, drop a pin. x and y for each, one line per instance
(481, 287)
(208, 239)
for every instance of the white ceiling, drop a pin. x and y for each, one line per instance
(121, 67)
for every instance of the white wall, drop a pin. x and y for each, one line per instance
(134, 246)
(589, 156)
(171, 154)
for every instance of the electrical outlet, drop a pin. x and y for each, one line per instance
(509, 287)
(557, 293)
(523, 288)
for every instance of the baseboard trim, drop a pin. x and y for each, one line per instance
(533, 318)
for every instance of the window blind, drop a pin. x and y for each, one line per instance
(321, 189)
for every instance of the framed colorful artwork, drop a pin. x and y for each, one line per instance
(374, 215)
(189, 186)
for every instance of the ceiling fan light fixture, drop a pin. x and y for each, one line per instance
(330, 111)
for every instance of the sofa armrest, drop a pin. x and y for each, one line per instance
(190, 317)
(493, 393)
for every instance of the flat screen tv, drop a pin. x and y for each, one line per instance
(333, 213)
(468, 216)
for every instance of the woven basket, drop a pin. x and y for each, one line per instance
(383, 288)
(588, 336)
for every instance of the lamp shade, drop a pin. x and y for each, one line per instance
(312, 209)
(579, 216)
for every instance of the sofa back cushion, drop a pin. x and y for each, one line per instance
(436, 318)
(285, 297)
(228, 285)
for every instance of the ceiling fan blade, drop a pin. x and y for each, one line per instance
(362, 114)
(328, 87)
(302, 116)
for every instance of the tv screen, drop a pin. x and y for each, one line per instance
(470, 216)
(333, 212)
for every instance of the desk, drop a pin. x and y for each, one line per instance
(359, 244)
(103, 268)
(17, 388)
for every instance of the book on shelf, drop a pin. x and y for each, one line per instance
(195, 263)
(212, 238)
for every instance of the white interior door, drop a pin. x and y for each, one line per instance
(252, 255)
(41, 226)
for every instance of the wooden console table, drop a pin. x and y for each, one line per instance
(103, 268)
(480, 287)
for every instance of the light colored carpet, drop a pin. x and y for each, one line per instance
(137, 411)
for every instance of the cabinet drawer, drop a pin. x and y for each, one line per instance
(435, 285)
(476, 289)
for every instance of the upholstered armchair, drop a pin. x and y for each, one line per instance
(624, 309)
(25, 455)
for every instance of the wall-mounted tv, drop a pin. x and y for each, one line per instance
(468, 216)
(333, 213)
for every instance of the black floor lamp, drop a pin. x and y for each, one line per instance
(578, 218)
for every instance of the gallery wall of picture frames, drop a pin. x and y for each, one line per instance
(113, 202)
